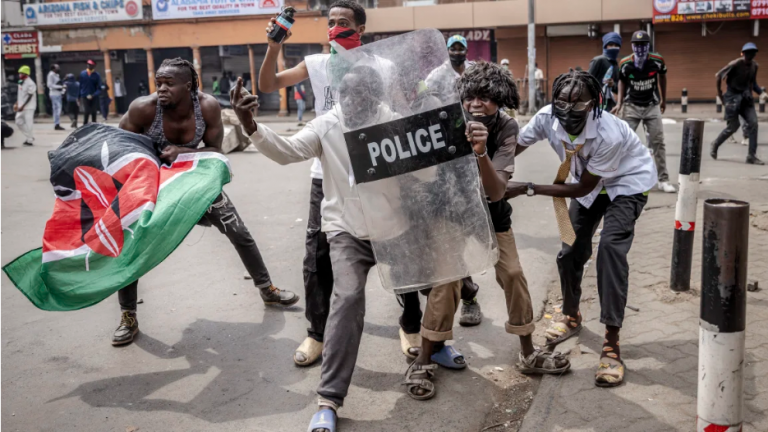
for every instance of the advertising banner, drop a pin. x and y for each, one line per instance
(18, 45)
(185, 9)
(79, 12)
(710, 10)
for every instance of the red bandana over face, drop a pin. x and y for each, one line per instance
(345, 37)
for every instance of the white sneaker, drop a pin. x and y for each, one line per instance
(666, 187)
(745, 141)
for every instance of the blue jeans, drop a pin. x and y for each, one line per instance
(301, 106)
(56, 103)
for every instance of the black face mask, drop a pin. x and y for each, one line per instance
(572, 121)
(457, 59)
(488, 121)
(749, 56)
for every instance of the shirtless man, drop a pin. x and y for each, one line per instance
(177, 118)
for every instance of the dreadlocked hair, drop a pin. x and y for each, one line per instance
(578, 82)
(180, 63)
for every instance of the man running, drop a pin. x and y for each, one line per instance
(178, 118)
(613, 173)
(740, 78)
(641, 75)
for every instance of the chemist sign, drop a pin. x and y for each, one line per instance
(181, 9)
(708, 10)
(18, 45)
(79, 12)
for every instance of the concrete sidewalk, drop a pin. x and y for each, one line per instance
(660, 342)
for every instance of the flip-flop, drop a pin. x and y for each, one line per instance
(323, 419)
(447, 356)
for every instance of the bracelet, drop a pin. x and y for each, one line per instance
(485, 153)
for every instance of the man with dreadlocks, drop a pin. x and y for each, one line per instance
(177, 118)
(484, 88)
(613, 173)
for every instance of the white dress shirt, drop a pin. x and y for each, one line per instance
(611, 150)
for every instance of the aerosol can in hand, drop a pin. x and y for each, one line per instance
(283, 23)
(607, 92)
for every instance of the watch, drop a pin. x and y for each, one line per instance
(530, 192)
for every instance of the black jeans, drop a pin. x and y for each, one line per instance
(90, 108)
(612, 268)
(318, 273)
(73, 109)
(739, 105)
(410, 320)
(223, 215)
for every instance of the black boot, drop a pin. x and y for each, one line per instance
(713, 150)
(57, 127)
(753, 160)
(275, 296)
(127, 330)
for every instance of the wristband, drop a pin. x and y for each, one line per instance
(485, 153)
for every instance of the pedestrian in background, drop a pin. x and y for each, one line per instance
(216, 87)
(740, 78)
(119, 96)
(143, 90)
(606, 68)
(54, 92)
(72, 92)
(641, 75)
(505, 65)
(224, 83)
(26, 104)
(104, 100)
(301, 101)
(90, 82)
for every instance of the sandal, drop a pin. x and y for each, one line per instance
(610, 373)
(409, 341)
(559, 331)
(447, 357)
(418, 377)
(549, 363)
(323, 419)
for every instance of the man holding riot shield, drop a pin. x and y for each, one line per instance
(377, 155)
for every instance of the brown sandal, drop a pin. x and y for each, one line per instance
(418, 377)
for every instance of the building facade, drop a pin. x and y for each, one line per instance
(131, 38)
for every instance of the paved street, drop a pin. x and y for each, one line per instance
(211, 357)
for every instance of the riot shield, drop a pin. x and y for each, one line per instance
(416, 175)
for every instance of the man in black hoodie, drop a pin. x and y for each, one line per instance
(605, 68)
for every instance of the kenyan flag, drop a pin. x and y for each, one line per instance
(118, 213)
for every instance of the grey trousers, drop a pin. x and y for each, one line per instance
(352, 259)
(651, 117)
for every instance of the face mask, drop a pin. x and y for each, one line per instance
(572, 121)
(457, 59)
(345, 37)
(749, 56)
(487, 120)
(611, 53)
(641, 54)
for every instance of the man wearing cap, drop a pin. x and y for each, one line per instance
(457, 52)
(26, 103)
(606, 68)
(90, 83)
(740, 78)
(641, 75)
(54, 92)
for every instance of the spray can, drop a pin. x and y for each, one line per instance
(283, 23)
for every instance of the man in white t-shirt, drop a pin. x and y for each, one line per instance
(346, 23)
(613, 173)
(26, 104)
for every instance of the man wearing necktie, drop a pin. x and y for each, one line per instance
(612, 173)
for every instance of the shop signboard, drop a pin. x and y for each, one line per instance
(17, 45)
(80, 12)
(672, 11)
(185, 9)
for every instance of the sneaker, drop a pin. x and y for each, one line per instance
(753, 160)
(666, 187)
(732, 140)
(57, 127)
(127, 330)
(272, 295)
(28, 143)
(745, 141)
(470, 313)
(713, 151)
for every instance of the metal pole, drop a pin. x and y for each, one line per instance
(685, 210)
(684, 101)
(723, 315)
(531, 57)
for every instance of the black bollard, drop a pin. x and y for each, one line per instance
(684, 101)
(723, 315)
(685, 210)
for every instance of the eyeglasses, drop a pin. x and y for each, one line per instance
(568, 106)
